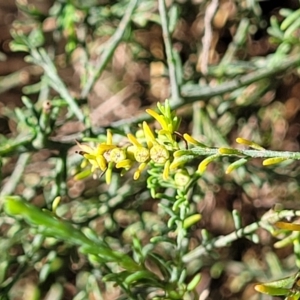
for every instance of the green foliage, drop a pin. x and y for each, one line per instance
(164, 222)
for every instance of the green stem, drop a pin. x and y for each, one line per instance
(59, 186)
(175, 92)
(224, 241)
(191, 93)
(238, 40)
(110, 48)
(194, 92)
(21, 269)
(41, 58)
(15, 177)
(20, 77)
(26, 143)
(247, 153)
(17, 144)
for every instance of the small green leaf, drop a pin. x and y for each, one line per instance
(273, 160)
(290, 20)
(116, 277)
(282, 287)
(36, 38)
(18, 47)
(180, 153)
(271, 290)
(249, 143)
(172, 221)
(229, 151)
(193, 141)
(180, 161)
(191, 220)
(173, 17)
(237, 219)
(141, 275)
(293, 27)
(236, 165)
(177, 203)
(205, 162)
(193, 283)
(82, 175)
(55, 204)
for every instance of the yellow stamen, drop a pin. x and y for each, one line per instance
(109, 137)
(85, 148)
(160, 119)
(193, 141)
(149, 135)
(101, 162)
(126, 164)
(249, 143)
(133, 140)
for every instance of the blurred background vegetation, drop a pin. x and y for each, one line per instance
(230, 69)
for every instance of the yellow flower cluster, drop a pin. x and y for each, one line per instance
(155, 148)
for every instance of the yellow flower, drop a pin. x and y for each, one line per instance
(93, 156)
(159, 154)
(159, 118)
(155, 152)
(150, 138)
(104, 156)
(166, 134)
(141, 154)
(157, 148)
(117, 155)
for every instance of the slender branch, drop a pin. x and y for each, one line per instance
(15, 177)
(243, 153)
(16, 144)
(238, 40)
(41, 58)
(206, 40)
(194, 92)
(223, 241)
(26, 143)
(175, 92)
(110, 48)
(20, 77)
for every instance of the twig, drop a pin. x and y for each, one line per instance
(26, 143)
(223, 241)
(238, 40)
(16, 145)
(206, 40)
(194, 92)
(110, 48)
(20, 77)
(175, 92)
(41, 58)
(15, 177)
(199, 151)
